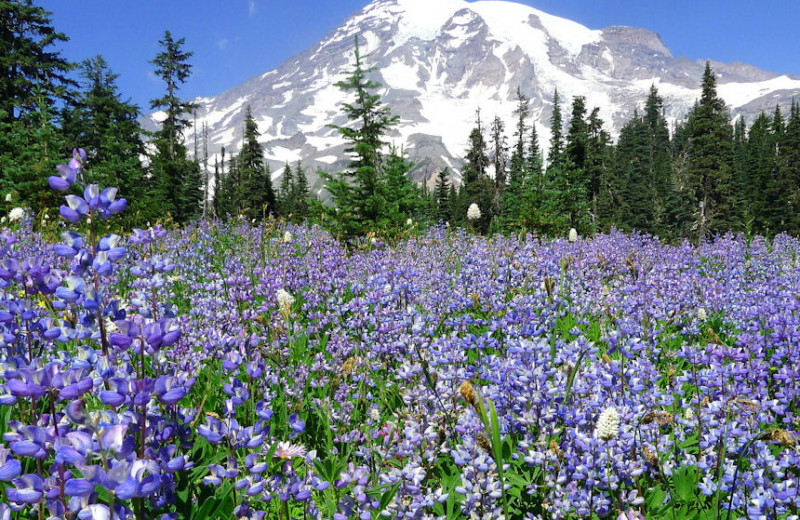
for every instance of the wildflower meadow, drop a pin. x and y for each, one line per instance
(273, 372)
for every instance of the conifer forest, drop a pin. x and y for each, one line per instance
(570, 326)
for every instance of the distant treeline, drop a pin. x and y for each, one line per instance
(709, 175)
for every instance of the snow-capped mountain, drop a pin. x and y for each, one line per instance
(441, 60)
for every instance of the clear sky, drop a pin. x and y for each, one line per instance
(233, 40)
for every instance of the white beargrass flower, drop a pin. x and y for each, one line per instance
(573, 235)
(8, 197)
(701, 314)
(16, 214)
(287, 236)
(285, 301)
(607, 426)
(409, 222)
(473, 212)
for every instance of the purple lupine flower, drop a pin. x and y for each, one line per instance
(10, 468)
(297, 425)
(28, 489)
(168, 390)
(78, 487)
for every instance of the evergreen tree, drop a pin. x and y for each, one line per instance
(441, 193)
(789, 169)
(33, 79)
(596, 164)
(33, 75)
(176, 179)
(300, 194)
(478, 188)
(285, 193)
(741, 178)
(107, 128)
(517, 162)
(255, 183)
(403, 200)
(578, 133)
(357, 192)
(556, 132)
(710, 169)
(500, 163)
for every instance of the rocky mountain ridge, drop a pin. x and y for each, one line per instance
(441, 61)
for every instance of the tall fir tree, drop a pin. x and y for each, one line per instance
(478, 187)
(107, 128)
(403, 200)
(710, 168)
(356, 192)
(177, 180)
(33, 74)
(789, 169)
(500, 163)
(300, 194)
(34, 79)
(556, 132)
(257, 196)
(441, 193)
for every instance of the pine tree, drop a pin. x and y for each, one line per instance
(478, 188)
(556, 132)
(710, 147)
(32, 74)
(441, 193)
(500, 163)
(107, 128)
(598, 153)
(300, 194)
(33, 81)
(285, 193)
(403, 200)
(356, 192)
(255, 184)
(177, 180)
(789, 169)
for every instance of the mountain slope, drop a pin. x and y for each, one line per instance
(440, 61)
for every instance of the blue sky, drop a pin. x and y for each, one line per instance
(233, 40)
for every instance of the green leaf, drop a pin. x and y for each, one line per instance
(685, 482)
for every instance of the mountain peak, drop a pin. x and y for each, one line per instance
(441, 60)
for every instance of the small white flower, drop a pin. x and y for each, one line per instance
(409, 222)
(701, 314)
(8, 197)
(607, 426)
(287, 236)
(473, 212)
(573, 235)
(285, 301)
(375, 414)
(16, 214)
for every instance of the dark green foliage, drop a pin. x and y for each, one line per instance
(107, 128)
(32, 74)
(556, 132)
(177, 180)
(441, 197)
(403, 199)
(33, 81)
(710, 160)
(478, 188)
(360, 192)
(256, 196)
